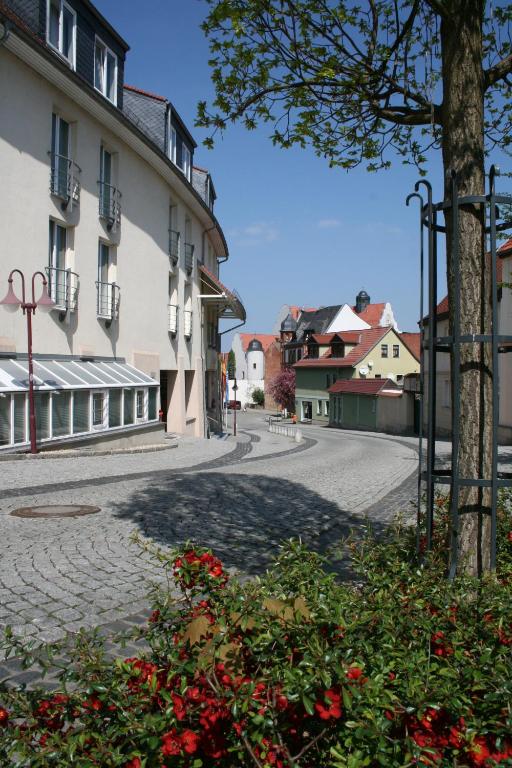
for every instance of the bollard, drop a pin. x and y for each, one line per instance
(298, 436)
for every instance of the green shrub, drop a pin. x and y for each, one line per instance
(258, 396)
(294, 669)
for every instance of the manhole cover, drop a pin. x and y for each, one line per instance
(56, 510)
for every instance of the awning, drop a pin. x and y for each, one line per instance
(70, 374)
(228, 303)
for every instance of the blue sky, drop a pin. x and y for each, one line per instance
(298, 232)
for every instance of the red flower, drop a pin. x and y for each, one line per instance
(189, 741)
(333, 709)
(354, 673)
(171, 743)
(4, 717)
(479, 751)
(178, 706)
(134, 763)
(152, 619)
(509, 536)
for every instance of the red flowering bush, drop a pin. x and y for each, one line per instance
(293, 670)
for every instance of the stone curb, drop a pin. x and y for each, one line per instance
(84, 452)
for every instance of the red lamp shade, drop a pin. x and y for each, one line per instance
(10, 301)
(45, 302)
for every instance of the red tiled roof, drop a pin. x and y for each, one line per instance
(372, 314)
(363, 386)
(144, 93)
(412, 341)
(215, 281)
(505, 249)
(323, 338)
(265, 339)
(349, 337)
(368, 339)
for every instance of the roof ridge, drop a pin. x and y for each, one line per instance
(143, 92)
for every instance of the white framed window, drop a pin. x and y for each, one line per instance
(98, 409)
(105, 71)
(61, 29)
(396, 350)
(185, 161)
(172, 143)
(140, 405)
(57, 263)
(383, 350)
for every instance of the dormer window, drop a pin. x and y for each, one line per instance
(61, 29)
(185, 161)
(172, 144)
(105, 71)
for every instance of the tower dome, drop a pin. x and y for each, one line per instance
(254, 346)
(289, 325)
(362, 301)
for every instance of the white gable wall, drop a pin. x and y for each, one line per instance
(347, 320)
(388, 317)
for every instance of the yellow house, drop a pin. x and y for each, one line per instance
(375, 353)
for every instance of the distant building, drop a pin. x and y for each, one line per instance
(369, 354)
(443, 379)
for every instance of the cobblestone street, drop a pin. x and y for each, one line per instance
(240, 498)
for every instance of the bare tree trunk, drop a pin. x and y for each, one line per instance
(463, 151)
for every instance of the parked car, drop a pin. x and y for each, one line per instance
(234, 405)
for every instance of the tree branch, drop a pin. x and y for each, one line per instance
(438, 7)
(498, 72)
(406, 116)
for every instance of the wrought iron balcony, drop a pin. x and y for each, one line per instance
(64, 179)
(173, 319)
(63, 288)
(109, 204)
(189, 258)
(107, 300)
(187, 323)
(174, 246)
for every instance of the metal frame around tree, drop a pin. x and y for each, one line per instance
(432, 475)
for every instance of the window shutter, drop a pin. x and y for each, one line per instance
(42, 408)
(81, 411)
(152, 403)
(60, 414)
(128, 406)
(5, 420)
(20, 425)
(114, 408)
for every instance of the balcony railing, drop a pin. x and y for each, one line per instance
(174, 246)
(173, 319)
(107, 300)
(109, 204)
(189, 257)
(187, 323)
(64, 181)
(63, 288)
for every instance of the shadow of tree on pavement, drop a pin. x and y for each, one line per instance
(242, 518)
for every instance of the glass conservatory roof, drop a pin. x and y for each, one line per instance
(70, 374)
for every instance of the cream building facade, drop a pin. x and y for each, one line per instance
(130, 247)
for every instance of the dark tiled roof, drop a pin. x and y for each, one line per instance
(363, 386)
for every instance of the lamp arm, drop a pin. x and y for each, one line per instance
(11, 280)
(45, 283)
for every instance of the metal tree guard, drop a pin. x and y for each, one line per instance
(452, 344)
